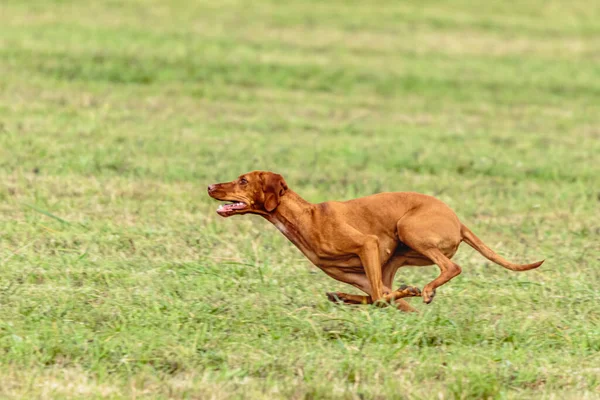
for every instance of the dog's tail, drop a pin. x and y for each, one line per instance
(476, 243)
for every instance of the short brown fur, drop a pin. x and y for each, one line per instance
(362, 242)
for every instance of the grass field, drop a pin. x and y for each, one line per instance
(118, 279)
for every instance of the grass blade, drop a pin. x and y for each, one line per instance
(47, 213)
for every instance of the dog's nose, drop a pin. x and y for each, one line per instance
(211, 188)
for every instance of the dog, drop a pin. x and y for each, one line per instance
(361, 242)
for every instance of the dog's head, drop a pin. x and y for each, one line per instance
(256, 192)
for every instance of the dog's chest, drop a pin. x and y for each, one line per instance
(295, 237)
(304, 245)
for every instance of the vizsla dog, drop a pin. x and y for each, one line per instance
(363, 241)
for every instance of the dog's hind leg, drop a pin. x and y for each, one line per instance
(436, 239)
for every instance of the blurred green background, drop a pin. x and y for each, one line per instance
(118, 280)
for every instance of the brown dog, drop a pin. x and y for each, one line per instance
(364, 241)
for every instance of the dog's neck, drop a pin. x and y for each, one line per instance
(293, 218)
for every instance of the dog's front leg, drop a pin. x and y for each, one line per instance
(348, 298)
(392, 296)
(356, 279)
(361, 282)
(369, 256)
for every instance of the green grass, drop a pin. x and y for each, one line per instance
(118, 280)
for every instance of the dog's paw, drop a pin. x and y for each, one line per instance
(428, 294)
(410, 291)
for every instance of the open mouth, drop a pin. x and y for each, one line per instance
(225, 210)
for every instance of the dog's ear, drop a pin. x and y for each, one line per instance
(274, 187)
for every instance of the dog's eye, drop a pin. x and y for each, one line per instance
(243, 181)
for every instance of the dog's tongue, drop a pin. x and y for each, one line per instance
(222, 211)
(225, 210)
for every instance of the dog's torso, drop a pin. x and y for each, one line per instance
(329, 234)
